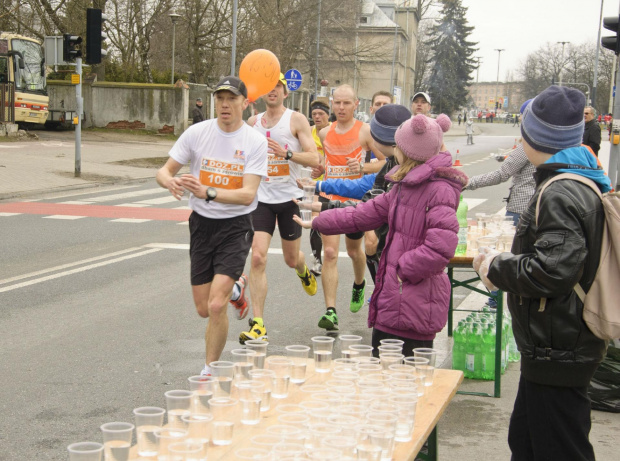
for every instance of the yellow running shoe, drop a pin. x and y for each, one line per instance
(256, 332)
(308, 281)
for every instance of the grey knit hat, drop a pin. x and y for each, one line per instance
(386, 121)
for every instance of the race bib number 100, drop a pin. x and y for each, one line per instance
(215, 173)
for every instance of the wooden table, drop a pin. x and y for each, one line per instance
(465, 264)
(429, 410)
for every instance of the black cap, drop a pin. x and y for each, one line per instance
(232, 84)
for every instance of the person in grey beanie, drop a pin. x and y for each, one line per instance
(553, 252)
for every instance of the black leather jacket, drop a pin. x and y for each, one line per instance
(545, 263)
(592, 135)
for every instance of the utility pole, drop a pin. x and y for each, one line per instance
(499, 54)
(562, 61)
(598, 48)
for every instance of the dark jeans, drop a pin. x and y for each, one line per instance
(550, 423)
(408, 346)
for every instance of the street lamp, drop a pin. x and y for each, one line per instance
(562, 61)
(499, 54)
(174, 18)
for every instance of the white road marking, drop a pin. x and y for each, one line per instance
(65, 217)
(159, 201)
(74, 202)
(74, 194)
(74, 271)
(126, 195)
(133, 205)
(185, 246)
(131, 220)
(10, 214)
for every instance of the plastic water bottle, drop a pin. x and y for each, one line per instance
(470, 357)
(459, 348)
(513, 352)
(478, 350)
(461, 215)
(489, 352)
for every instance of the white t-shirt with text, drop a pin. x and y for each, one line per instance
(220, 159)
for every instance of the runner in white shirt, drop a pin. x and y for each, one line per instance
(228, 160)
(291, 146)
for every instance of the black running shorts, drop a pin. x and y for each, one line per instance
(218, 246)
(266, 215)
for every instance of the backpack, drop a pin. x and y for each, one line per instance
(601, 309)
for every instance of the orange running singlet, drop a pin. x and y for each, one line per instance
(338, 148)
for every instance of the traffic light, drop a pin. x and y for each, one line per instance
(94, 36)
(71, 47)
(611, 43)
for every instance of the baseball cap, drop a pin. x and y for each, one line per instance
(423, 94)
(232, 84)
(198, 99)
(282, 80)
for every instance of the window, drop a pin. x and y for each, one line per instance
(363, 19)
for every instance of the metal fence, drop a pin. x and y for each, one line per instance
(7, 102)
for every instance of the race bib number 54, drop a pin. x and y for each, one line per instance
(215, 173)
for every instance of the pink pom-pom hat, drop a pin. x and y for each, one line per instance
(421, 137)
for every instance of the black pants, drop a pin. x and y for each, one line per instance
(550, 423)
(408, 346)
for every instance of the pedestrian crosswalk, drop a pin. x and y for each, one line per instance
(138, 206)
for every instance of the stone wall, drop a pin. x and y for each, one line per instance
(162, 108)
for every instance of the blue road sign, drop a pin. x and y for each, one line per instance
(293, 79)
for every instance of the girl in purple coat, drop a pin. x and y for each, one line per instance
(412, 290)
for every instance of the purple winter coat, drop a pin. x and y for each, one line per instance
(412, 291)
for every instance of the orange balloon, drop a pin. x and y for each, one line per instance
(260, 71)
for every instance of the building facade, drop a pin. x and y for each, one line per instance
(484, 96)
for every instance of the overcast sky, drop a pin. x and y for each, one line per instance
(522, 26)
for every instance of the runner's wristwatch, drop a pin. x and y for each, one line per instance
(289, 154)
(211, 194)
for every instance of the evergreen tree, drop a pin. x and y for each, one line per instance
(451, 58)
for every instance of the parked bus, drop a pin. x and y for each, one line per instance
(22, 62)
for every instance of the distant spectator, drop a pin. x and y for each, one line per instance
(469, 131)
(459, 118)
(592, 130)
(479, 116)
(197, 114)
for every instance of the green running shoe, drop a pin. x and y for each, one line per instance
(357, 298)
(329, 321)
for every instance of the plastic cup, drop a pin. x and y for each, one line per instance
(300, 420)
(250, 394)
(368, 452)
(392, 342)
(266, 377)
(165, 437)
(344, 444)
(305, 215)
(346, 364)
(244, 362)
(396, 348)
(148, 420)
(318, 432)
(286, 433)
(322, 347)
(305, 173)
(198, 428)
(346, 341)
(487, 242)
(260, 347)
(325, 454)
(406, 405)
(374, 193)
(179, 403)
(186, 451)
(281, 366)
(85, 451)
(224, 372)
(390, 358)
(362, 350)
(299, 356)
(117, 441)
(265, 441)
(283, 449)
(252, 453)
(203, 388)
(309, 192)
(224, 410)
(431, 355)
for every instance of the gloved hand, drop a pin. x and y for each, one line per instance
(481, 264)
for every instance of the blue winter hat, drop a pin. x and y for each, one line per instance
(553, 120)
(386, 121)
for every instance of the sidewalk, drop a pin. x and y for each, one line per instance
(29, 167)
